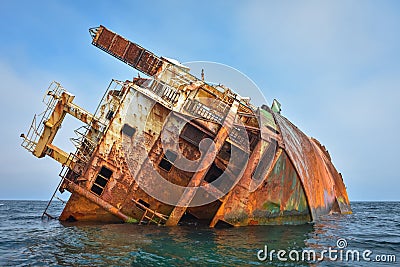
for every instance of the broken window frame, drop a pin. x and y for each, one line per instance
(128, 128)
(106, 177)
(168, 160)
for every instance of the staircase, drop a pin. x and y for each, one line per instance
(150, 216)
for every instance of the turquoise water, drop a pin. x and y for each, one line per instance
(26, 240)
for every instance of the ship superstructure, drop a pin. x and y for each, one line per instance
(171, 147)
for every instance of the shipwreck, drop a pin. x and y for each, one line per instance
(169, 147)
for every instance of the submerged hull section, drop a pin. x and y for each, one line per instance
(158, 151)
(312, 161)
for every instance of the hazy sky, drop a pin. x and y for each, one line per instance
(333, 65)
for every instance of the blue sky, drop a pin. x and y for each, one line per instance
(333, 65)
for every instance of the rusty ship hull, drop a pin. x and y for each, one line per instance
(130, 152)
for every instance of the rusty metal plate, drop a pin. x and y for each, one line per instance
(317, 179)
(130, 53)
(119, 46)
(148, 63)
(340, 189)
(104, 39)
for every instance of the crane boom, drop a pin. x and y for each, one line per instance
(131, 53)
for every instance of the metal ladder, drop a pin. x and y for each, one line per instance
(149, 215)
(85, 144)
(45, 213)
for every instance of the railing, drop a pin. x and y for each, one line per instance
(166, 92)
(196, 108)
(239, 135)
(36, 129)
(84, 142)
(110, 101)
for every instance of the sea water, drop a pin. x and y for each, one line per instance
(26, 240)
